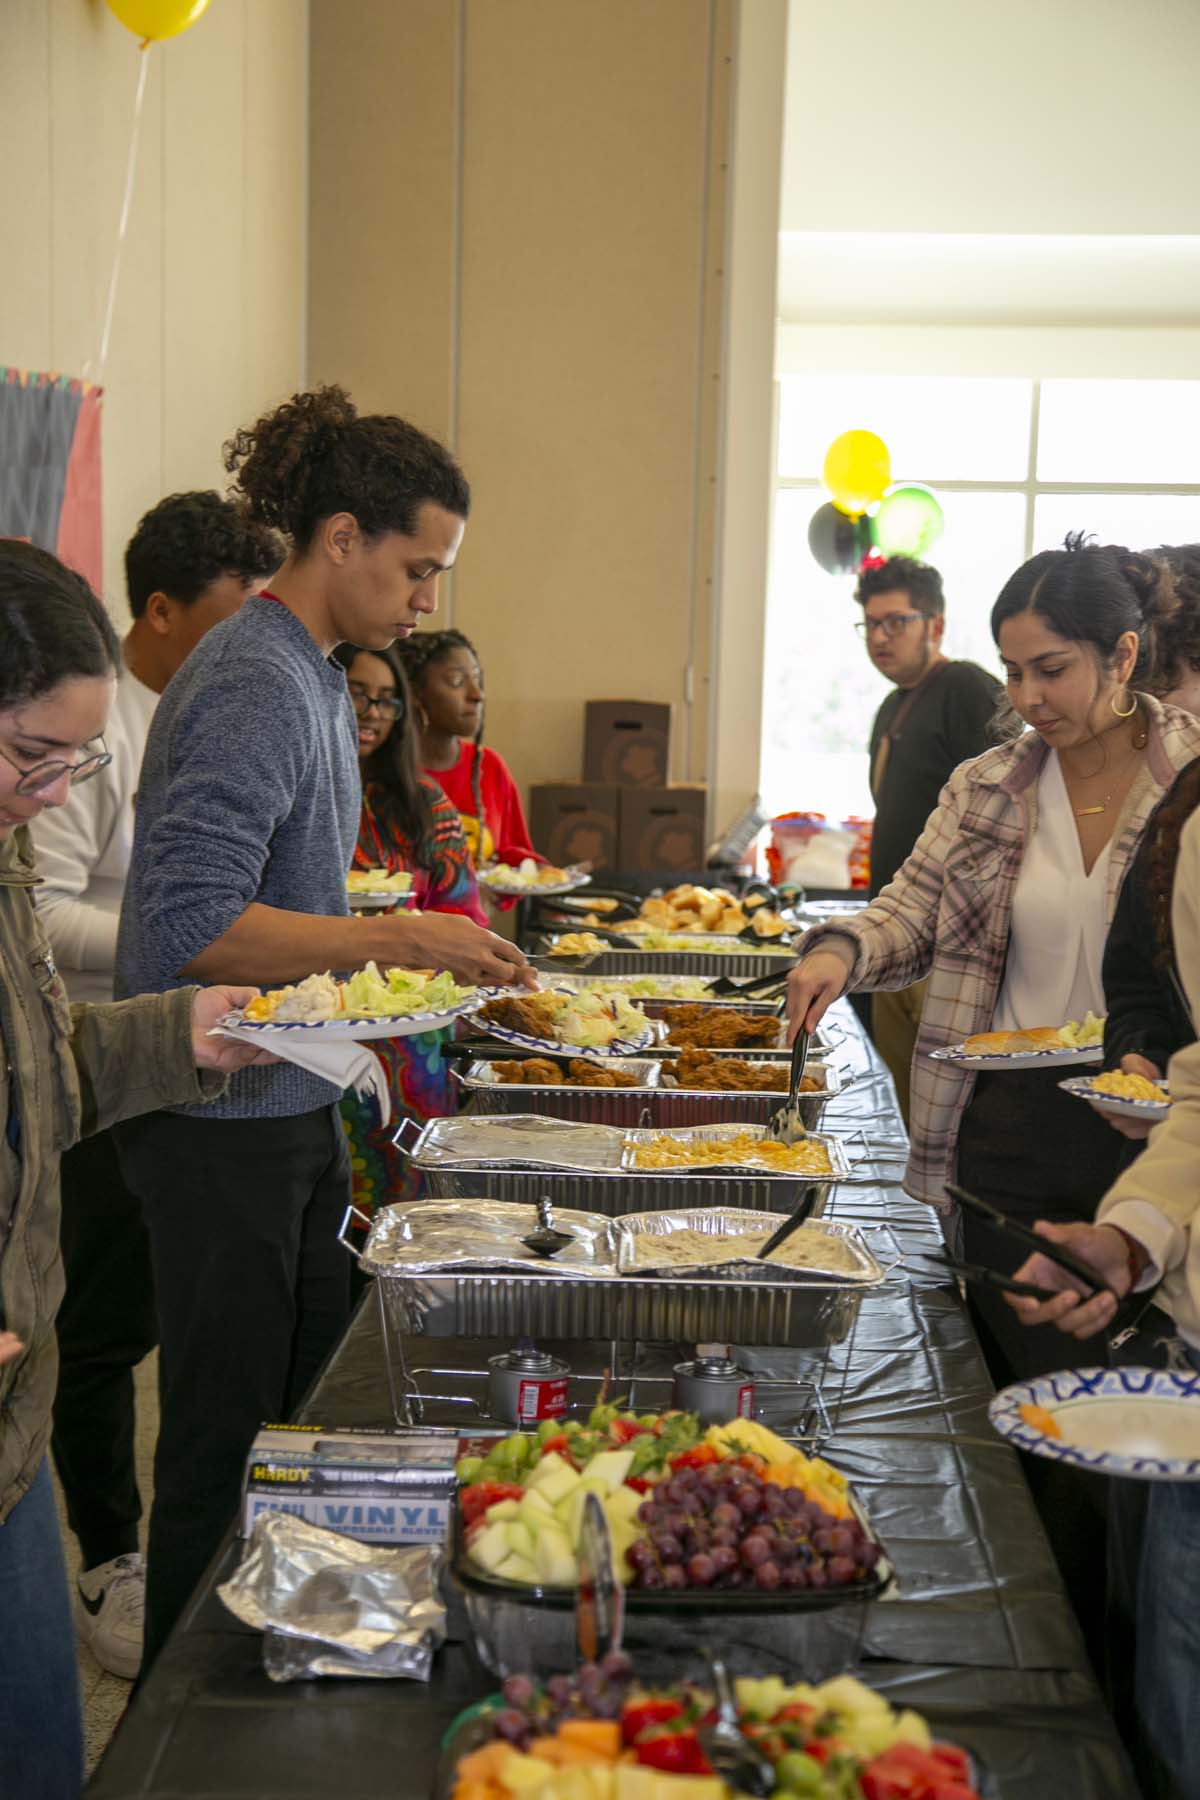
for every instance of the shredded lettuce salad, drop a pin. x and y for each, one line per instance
(372, 994)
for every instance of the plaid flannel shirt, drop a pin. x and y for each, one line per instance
(946, 915)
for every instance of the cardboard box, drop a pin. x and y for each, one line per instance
(627, 741)
(574, 821)
(382, 1487)
(662, 829)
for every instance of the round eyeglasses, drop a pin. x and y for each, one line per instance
(44, 775)
(389, 706)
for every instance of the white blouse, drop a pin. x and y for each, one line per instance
(1058, 920)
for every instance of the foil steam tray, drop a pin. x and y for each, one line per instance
(654, 1102)
(434, 1236)
(586, 1105)
(703, 960)
(638, 1229)
(651, 1004)
(839, 1167)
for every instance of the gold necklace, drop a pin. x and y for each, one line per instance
(1091, 812)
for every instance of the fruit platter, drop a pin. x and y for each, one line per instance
(734, 1512)
(602, 1734)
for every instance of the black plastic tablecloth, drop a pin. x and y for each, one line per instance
(981, 1638)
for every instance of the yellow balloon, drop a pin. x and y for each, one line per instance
(154, 19)
(858, 471)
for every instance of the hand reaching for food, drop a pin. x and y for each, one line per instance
(1104, 1249)
(813, 986)
(450, 941)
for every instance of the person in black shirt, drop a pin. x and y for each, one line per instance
(940, 715)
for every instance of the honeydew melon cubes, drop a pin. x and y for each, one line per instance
(535, 1539)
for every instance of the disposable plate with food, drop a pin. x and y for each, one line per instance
(589, 1053)
(1119, 1106)
(503, 878)
(1025, 1059)
(360, 1030)
(1143, 1424)
(381, 901)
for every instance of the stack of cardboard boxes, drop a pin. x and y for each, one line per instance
(623, 815)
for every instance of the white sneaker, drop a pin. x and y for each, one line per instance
(112, 1605)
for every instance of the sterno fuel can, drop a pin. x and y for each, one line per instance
(714, 1386)
(526, 1385)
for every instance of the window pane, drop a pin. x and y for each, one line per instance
(1141, 521)
(1119, 431)
(820, 693)
(938, 429)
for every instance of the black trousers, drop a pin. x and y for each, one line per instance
(1037, 1153)
(106, 1325)
(253, 1292)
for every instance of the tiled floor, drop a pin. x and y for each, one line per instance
(105, 1696)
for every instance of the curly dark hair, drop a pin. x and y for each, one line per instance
(920, 581)
(422, 652)
(1092, 594)
(398, 789)
(314, 456)
(51, 625)
(1179, 625)
(1162, 853)
(188, 541)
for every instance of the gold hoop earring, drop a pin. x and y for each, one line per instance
(1130, 710)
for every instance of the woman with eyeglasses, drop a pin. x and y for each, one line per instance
(65, 1071)
(1004, 904)
(408, 825)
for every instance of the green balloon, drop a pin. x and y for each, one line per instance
(909, 520)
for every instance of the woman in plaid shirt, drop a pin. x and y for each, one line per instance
(1004, 904)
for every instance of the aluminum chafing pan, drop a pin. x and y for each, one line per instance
(653, 1004)
(675, 1107)
(590, 1105)
(839, 1167)
(801, 1315)
(635, 1229)
(703, 960)
(436, 1237)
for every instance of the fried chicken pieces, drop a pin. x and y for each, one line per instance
(728, 1074)
(721, 1028)
(539, 1071)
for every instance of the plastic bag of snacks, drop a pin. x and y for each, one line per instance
(808, 850)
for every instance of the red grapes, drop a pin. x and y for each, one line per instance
(725, 1527)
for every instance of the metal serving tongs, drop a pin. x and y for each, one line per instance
(734, 1757)
(1082, 1272)
(757, 984)
(785, 1124)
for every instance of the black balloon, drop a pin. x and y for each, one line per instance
(838, 542)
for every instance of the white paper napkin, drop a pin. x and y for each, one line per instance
(345, 1064)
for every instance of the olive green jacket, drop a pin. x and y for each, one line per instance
(65, 1071)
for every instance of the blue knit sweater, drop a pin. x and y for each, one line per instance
(249, 791)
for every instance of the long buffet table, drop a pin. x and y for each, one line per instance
(981, 1639)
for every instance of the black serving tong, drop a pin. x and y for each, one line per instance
(785, 1123)
(1024, 1234)
(804, 1212)
(1007, 1284)
(757, 984)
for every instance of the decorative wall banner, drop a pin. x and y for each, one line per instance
(50, 466)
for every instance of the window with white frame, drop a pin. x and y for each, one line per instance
(1016, 464)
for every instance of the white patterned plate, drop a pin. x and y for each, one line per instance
(1139, 1423)
(1117, 1106)
(346, 1031)
(551, 1046)
(525, 890)
(379, 902)
(1028, 1059)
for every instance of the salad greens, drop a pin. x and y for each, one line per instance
(371, 993)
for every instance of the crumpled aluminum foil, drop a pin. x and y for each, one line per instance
(436, 1236)
(517, 1140)
(329, 1605)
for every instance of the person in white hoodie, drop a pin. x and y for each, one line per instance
(1147, 1232)
(191, 562)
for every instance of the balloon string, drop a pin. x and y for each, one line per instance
(126, 204)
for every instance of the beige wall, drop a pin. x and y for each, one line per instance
(517, 238)
(210, 310)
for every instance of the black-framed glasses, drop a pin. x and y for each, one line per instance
(44, 775)
(388, 706)
(891, 624)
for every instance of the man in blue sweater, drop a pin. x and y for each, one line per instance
(247, 816)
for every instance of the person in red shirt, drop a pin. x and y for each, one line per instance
(446, 679)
